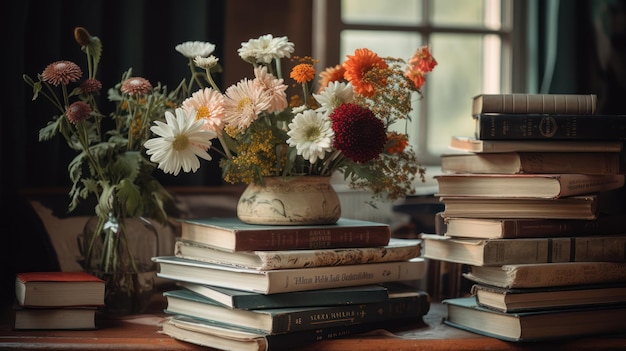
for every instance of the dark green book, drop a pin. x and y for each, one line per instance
(246, 300)
(405, 305)
(548, 324)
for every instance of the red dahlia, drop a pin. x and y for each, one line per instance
(359, 134)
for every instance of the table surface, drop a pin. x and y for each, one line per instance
(141, 332)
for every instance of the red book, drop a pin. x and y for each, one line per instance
(58, 289)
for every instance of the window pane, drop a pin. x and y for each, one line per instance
(407, 12)
(483, 13)
(396, 44)
(452, 85)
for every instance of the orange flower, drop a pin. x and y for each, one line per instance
(420, 63)
(396, 142)
(331, 74)
(358, 66)
(303, 73)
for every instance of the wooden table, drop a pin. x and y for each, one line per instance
(141, 332)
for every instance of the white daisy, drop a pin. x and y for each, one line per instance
(312, 135)
(265, 49)
(181, 141)
(334, 95)
(244, 102)
(205, 62)
(191, 49)
(273, 86)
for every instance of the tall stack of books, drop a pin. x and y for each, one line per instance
(243, 286)
(528, 208)
(57, 300)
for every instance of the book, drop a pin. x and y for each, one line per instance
(571, 104)
(216, 336)
(499, 126)
(509, 228)
(515, 300)
(55, 318)
(497, 252)
(600, 163)
(288, 280)
(396, 250)
(246, 300)
(551, 324)
(58, 289)
(404, 305)
(541, 275)
(471, 144)
(572, 207)
(233, 235)
(548, 186)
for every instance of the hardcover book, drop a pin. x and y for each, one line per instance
(571, 104)
(497, 252)
(515, 300)
(572, 207)
(55, 318)
(246, 300)
(596, 163)
(413, 304)
(552, 324)
(58, 289)
(548, 186)
(396, 250)
(509, 228)
(549, 126)
(471, 144)
(541, 275)
(288, 280)
(233, 235)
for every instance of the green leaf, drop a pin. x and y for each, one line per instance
(129, 195)
(50, 130)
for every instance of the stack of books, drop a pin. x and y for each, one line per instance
(243, 286)
(57, 300)
(526, 211)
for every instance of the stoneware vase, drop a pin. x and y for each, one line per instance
(303, 200)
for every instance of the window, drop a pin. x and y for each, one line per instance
(474, 42)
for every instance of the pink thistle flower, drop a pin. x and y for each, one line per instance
(136, 86)
(61, 73)
(78, 111)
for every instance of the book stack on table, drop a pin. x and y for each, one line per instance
(530, 210)
(57, 300)
(259, 287)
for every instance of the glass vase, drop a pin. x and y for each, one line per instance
(303, 200)
(119, 251)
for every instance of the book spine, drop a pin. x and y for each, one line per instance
(552, 127)
(549, 250)
(535, 103)
(578, 184)
(394, 308)
(564, 275)
(554, 228)
(583, 163)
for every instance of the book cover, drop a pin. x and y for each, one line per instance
(214, 335)
(515, 300)
(54, 318)
(550, 324)
(233, 235)
(58, 289)
(548, 186)
(571, 104)
(549, 126)
(540, 275)
(572, 207)
(246, 300)
(509, 228)
(288, 280)
(471, 144)
(286, 320)
(497, 252)
(396, 250)
(595, 163)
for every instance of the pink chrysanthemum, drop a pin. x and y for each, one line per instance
(273, 86)
(61, 72)
(243, 104)
(209, 106)
(90, 86)
(136, 86)
(78, 111)
(359, 134)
